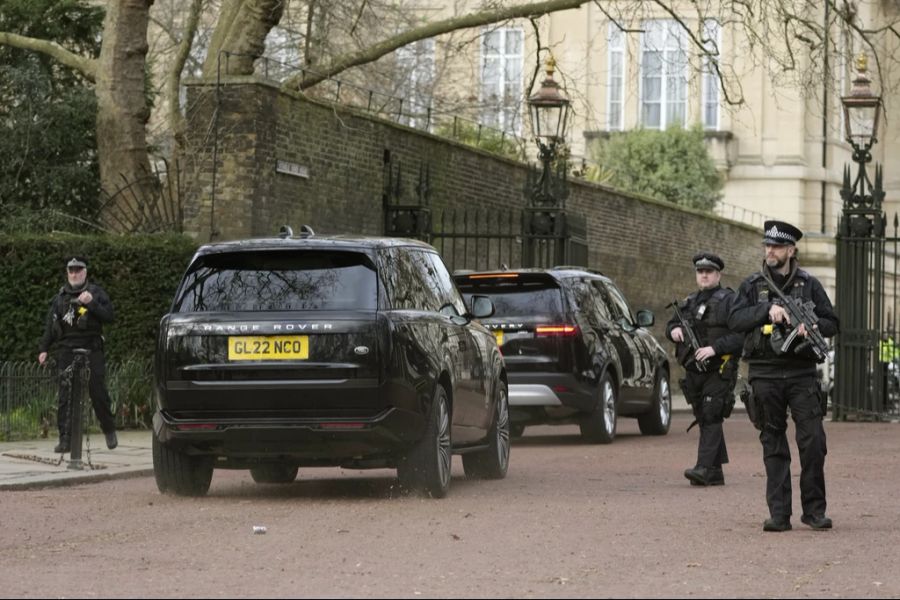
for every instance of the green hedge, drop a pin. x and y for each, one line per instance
(140, 273)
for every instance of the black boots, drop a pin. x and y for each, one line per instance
(705, 476)
(816, 521)
(111, 440)
(777, 524)
(62, 446)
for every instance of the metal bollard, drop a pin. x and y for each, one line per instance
(76, 403)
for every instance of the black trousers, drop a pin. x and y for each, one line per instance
(70, 387)
(708, 394)
(801, 395)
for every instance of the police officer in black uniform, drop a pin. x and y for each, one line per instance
(711, 370)
(785, 378)
(76, 318)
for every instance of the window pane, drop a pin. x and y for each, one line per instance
(650, 115)
(652, 65)
(490, 76)
(514, 41)
(675, 113)
(711, 35)
(652, 89)
(615, 115)
(616, 39)
(653, 35)
(514, 72)
(491, 42)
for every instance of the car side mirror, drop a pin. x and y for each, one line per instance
(645, 318)
(482, 307)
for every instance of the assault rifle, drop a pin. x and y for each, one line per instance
(804, 313)
(690, 337)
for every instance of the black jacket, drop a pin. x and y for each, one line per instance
(710, 324)
(750, 313)
(71, 325)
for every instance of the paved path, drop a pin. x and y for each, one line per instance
(32, 463)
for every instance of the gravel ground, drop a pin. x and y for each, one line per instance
(570, 520)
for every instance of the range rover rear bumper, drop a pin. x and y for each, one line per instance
(319, 441)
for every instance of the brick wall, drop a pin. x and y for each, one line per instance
(644, 245)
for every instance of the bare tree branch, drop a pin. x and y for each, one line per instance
(614, 20)
(359, 15)
(85, 66)
(713, 55)
(376, 51)
(173, 83)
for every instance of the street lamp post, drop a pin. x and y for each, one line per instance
(859, 374)
(549, 110)
(551, 236)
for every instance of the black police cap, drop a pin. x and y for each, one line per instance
(779, 233)
(708, 260)
(76, 262)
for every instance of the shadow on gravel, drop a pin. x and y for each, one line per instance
(330, 485)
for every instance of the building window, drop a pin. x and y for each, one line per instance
(501, 78)
(664, 67)
(615, 79)
(709, 86)
(415, 65)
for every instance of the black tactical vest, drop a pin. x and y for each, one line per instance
(705, 319)
(756, 344)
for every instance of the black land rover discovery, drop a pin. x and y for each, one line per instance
(574, 351)
(326, 351)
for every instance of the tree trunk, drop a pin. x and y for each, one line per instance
(122, 111)
(241, 32)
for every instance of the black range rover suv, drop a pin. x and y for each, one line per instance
(326, 351)
(574, 351)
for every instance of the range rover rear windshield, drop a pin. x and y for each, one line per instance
(278, 280)
(524, 295)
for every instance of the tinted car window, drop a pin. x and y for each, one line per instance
(409, 277)
(261, 281)
(518, 298)
(618, 304)
(589, 302)
(449, 294)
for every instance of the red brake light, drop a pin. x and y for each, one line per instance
(556, 330)
(494, 276)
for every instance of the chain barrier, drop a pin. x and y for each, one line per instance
(79, 368)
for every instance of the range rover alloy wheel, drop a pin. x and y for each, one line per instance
(426, 467)
(493, 462)
(599, 427)
(657, 420)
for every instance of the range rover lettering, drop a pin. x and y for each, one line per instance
(342, 351)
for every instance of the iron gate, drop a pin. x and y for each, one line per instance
(481, 238)
(867, 359)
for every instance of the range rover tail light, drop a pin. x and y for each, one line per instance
(556, 330)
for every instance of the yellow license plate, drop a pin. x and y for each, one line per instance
(275, 347)
(499, 336)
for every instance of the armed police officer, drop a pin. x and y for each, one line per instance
(710, 367)
(75, 320)
(784, 340)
